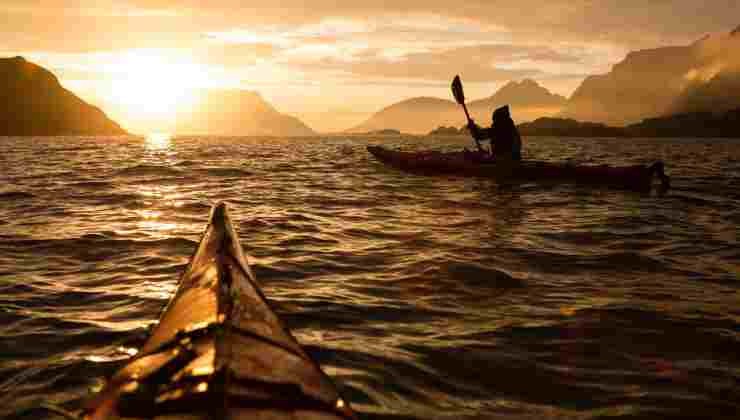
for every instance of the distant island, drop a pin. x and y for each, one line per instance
(33, 103)
(547, 126)
(691, 124)
(387, 132)
(384, 132)
(566, 127)
(447, 131)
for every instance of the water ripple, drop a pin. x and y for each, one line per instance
(423, 297)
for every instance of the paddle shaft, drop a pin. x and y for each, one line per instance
(467, 115)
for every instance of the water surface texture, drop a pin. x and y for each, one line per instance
(423, 297)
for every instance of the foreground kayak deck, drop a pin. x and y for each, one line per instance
(638, 177)
(219, 351)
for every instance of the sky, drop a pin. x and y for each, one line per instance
(334, 63)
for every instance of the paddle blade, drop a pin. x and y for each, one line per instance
(457, 90)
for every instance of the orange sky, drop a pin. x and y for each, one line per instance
(333, 63)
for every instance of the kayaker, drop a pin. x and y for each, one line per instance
(506, 143)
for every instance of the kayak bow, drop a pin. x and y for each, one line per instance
(219, 351)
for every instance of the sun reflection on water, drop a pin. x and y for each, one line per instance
(159, 199)
(158, 141)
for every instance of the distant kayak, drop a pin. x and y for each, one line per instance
(469, 164)
(219, 351)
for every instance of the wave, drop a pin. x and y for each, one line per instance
(92, 185)
(148, 170)
(186, 163)
(424, 297)
(15, 195)
(95, 247)
(226, 172)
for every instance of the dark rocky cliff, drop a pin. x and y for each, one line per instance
(33, 103)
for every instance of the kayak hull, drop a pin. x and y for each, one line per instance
(637, 177)
(220, 351)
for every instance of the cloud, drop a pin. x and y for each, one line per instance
(235, 55)
(478, 63)
(632, 23)
(79, 33)
(628, 23)
(412, 47)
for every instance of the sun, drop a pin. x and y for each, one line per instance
(154, 84)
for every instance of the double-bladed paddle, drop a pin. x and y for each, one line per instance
(459, 94)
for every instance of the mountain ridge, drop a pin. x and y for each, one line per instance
(513, 92)
(239, 112)
(654, 82)
(419, 115)
(34, 103)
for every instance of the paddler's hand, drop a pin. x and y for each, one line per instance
(474, 130)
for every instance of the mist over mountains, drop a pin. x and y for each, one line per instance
(703, 76)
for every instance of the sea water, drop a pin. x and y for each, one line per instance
(422, 297)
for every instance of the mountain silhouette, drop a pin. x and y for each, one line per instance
(238, 113)
(413, 115)
(525, 93)
(655, 82)
(33, 103)
(420, 115)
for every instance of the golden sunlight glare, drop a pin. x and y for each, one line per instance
(153, 84)
(158, 141)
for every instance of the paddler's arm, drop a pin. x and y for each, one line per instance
(478, 133)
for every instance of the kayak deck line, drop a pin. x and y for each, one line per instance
(219, 351)
(635, 177)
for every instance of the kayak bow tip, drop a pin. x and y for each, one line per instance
(219, 215)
